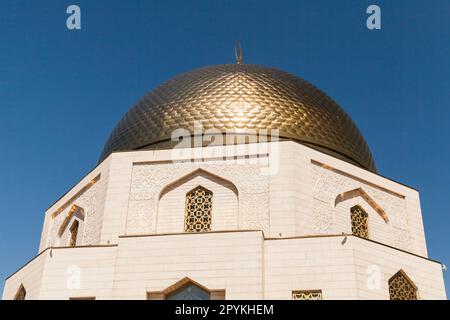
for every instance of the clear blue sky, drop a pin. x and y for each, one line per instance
(62, 92)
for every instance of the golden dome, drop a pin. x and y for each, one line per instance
(237, 97)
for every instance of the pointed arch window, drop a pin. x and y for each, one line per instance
(71, 230)
(198, 210)
(186, 289)
(21, 293)
(74, 233)
(401, 287)
(189, 292)
(360, 224)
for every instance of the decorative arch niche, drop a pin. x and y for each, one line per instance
(70, 231)
(219, 202)
(197, 172)
(359, 192)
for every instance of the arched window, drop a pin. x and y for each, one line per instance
(198, 210)
(359, 218)
(71, 230)
(401, 287)
(189, 292)
(74, 233)
(186, 289)
(21, 293)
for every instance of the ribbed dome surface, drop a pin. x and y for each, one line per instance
(236, 98)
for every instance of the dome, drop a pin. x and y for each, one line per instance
(236, 98)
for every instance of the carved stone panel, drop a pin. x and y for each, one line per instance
(89, 234)
(149, 179)
(329, 183)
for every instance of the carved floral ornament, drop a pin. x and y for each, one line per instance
(249, 185)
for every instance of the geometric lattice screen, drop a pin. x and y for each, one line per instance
(401, 287)
(360, 225)
(198, 210)
(307, 295)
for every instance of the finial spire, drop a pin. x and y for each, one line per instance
(238, 52)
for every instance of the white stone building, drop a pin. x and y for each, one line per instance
(299, 213)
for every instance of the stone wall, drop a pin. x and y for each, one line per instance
(149, 180)
(88, 232)
(330, 218)
(244, 264)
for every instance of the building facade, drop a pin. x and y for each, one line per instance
(299, 213)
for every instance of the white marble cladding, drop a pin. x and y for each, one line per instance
(244, 264)
(88, 232)
(294, 211)
(297, 199)
(148, 181)
(327, 184)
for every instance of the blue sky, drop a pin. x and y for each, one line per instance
(62, 92)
